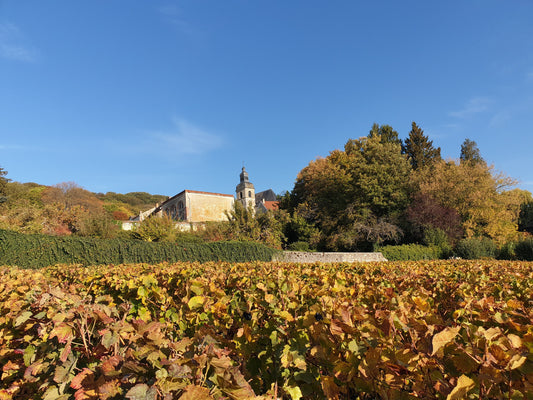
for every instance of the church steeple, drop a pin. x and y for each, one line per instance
(245, 190)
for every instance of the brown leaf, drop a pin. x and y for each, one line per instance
(108, 366)
(66, 351)
(193, 392)
(109, 389)
(330, 388)
(63, 332)
(77, 381)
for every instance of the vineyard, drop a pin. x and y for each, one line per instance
(411, 330)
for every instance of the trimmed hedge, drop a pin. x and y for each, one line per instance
(474, 249)
(412, 252)
(36, 251)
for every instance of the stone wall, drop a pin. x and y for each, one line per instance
(313, 257)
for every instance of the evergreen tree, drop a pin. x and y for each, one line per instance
(470, 153)
(419, 149)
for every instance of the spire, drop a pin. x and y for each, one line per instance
(244, 176)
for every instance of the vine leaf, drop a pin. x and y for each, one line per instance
(196, 302)
(193, 392)
(444, 337)
(23, 318)
(464, 385)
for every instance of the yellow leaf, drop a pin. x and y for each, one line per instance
(294, 392)
(491, 333)
(444, 337)
(196, 302)
(421, 303)
(516, 361)
(515, 341)
(464, 385)
(286, 315)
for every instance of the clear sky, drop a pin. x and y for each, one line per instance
(162, 96)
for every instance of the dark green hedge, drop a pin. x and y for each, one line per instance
(35, 251)
(412, 252)
(524, 249)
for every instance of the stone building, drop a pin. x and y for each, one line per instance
(193, 206)
(190, 207)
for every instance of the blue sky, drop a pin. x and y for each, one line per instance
(162, 96)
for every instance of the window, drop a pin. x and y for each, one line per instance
(181, 211)
(249, 193)
(173, 211)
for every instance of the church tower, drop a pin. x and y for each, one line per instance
(245, 191)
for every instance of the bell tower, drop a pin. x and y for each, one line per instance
(245, 191)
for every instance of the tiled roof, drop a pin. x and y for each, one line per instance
(271, 205)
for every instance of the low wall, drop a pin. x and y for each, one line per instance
(313, 257)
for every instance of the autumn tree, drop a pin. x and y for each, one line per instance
(481, 197)
(69, 205)
(419, 149)
(70, 194)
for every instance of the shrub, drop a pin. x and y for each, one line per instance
(524, 249)
(156, 229)
(507, 251)
(473, 249)
(298, 246)
(414, 252)
(438, 238)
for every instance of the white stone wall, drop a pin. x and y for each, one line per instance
(313, 257)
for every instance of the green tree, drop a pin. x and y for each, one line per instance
(353, 196)
(525, 220)
(470, 153)
(419, 149)
(387, 134)
(379, 176)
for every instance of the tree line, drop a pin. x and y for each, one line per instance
(379, 190)
(66, 208)
(384, 190)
